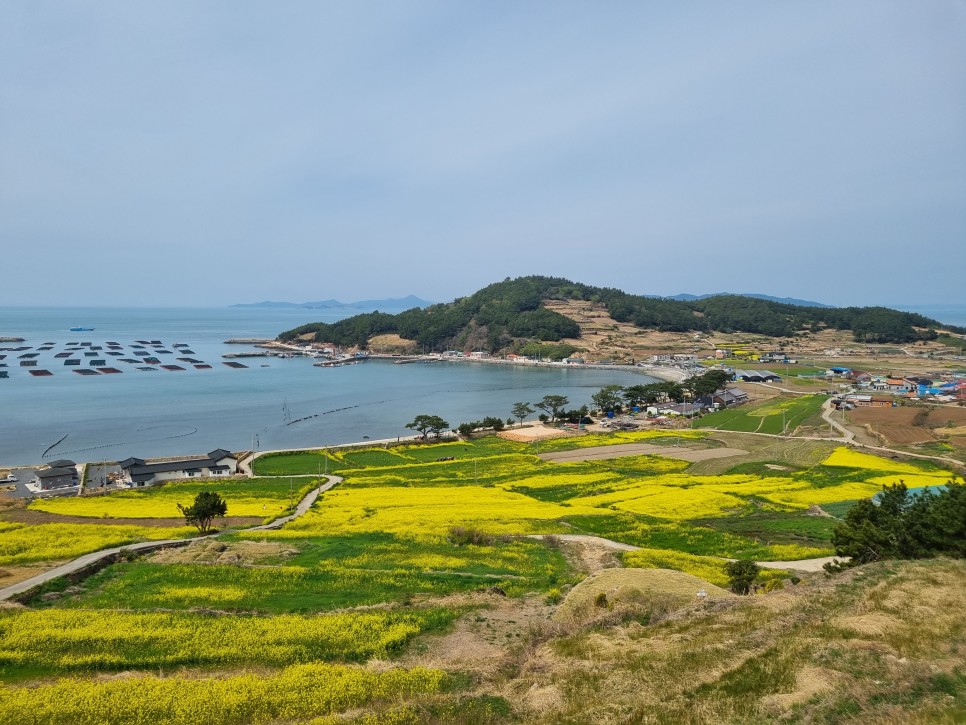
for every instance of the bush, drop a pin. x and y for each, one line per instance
(462, 536)
(553, 596)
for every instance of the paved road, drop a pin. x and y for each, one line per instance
(827, 410)
(86, 560)
(799, 565)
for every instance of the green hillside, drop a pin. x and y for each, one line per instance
(511, 311)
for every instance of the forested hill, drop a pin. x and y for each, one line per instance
(510, 311)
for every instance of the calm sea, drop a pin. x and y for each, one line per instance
(951, 314)
(286, 404)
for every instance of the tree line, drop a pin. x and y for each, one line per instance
(901, 524)
(617, 398)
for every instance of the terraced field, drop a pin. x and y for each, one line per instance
(411, 573)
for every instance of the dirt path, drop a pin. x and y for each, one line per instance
(600, 453)
(798, 565)
(88, 560)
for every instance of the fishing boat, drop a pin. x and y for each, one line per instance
(80, 329)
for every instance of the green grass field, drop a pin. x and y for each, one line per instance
(261, 497)
(777, 416)
(328, 573)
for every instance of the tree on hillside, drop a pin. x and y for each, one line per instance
(427, 424)
(552, 405)
(741, 575)
(521, 411)
(207, 505)
(608, 398)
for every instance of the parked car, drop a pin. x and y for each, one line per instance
(9, 479)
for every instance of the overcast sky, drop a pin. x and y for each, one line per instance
(209, 153)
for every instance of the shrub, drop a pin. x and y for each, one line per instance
(461, 536)
(741, 575)
(553, 596)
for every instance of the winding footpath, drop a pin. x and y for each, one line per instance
(799, 565)
(95, 557)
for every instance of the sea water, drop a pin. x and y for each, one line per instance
(288, 403)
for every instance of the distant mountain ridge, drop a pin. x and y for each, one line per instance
(686, 297)
(392, 303)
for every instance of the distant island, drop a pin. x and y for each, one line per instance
(393, 303)
(685, 297)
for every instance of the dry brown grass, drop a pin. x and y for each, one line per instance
(219, 552)
(878, 644)
(631, 587)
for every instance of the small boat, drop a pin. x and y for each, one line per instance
(80, 329)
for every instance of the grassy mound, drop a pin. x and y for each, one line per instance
(633, 587)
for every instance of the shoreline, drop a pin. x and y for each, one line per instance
(667, 374)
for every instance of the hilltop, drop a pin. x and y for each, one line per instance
(510, 315)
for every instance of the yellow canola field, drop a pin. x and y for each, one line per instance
(680, 496)
(848, 458)
(436, 472)
(294, 694)
(60, 639)
(556, 480)
(709, 568)
(616, 438)
(669, 502)
(28, 543)
(163, 502)
(913, 481)
(830, 494)
(429, 511)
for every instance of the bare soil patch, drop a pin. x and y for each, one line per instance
(912, 425)
(219, 552)
(391, 344)
(600, 453)
(482, 640)
(16, 574)
(534, 433)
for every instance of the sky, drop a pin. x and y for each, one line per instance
(216, 152)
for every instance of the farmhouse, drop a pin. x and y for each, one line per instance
(773, 356)
(58, 474)
(729, 396)
(870, 401)
(217, 463)
(688, 410)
